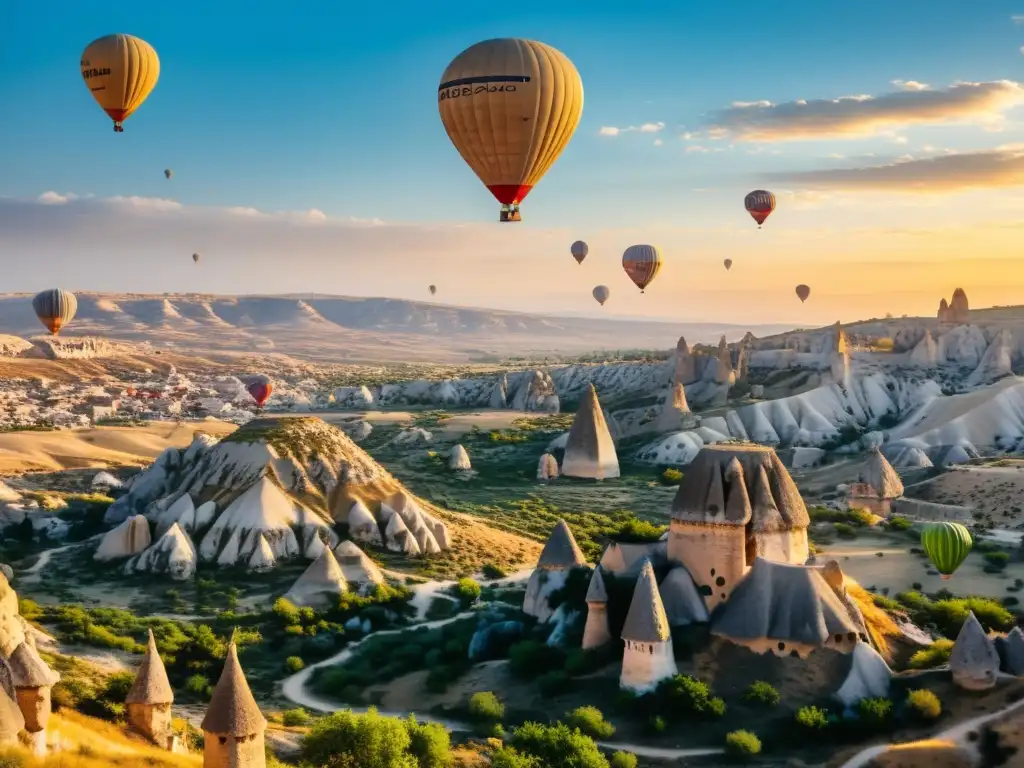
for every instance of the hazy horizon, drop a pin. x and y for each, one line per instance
(896, 152)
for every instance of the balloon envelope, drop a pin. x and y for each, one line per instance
(433, 290)
(168, 173)
(803, 292)
(579, 251)
(55, 308)
(601, 293)
(195, 257)
(946, 545)
(759, 204)
(728, 263)
(642, 263)
(260, 387)
(510, 106)
(120, 71)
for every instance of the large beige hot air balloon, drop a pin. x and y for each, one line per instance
(120, 72)
(642, 263)
(601, 293)
(510, 107)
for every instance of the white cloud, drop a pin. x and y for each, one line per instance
(911, 85)
(1017, 18)
(609, 130)
(863, 116)
(658, 142)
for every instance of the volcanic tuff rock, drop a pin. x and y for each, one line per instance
(272, 486)
(590, 449)
(974, 661)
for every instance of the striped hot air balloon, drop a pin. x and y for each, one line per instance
(579, 251)
(642, 263)
(947, 545)
(260, 387)
(55, 308)
(759, 204)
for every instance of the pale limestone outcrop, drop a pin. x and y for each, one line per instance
(126, 540)
(974, 661)
(869, 677)
(685, 365)
(596, 633)
(362, 526)
(458, 459)
(320, 584)
(547, 467)
(925, 353)
(560, 555)
(996, 363)
(173, 554)
(358, 569)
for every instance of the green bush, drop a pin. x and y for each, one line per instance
(558, 746)
(429, 744)
(467, 590)
(688, 695)
(294, 717)
(898, 523)
(742, 744)
(486, 706)
(508, 757)
(812, 718)
(294, 664)
(997, 560)
(935, 655)
(591, 721)
(286, 612)
(656, 724)
(671, 476)
(491, 571)
(528, 659)
(552, 683)
(198, 685)
(924, 704)
(875, 713)
(623, 760)
(949, 613)
(845, 531)
(761, 692)
(860, 517)
(373, 741)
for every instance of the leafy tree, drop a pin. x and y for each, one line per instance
(558, 746)
(349, 740)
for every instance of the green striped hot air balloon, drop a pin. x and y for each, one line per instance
(946, 545)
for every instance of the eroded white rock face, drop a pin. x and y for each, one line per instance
(547, 467)
(458, 460)
(974, 661)
(869, 677)
(173, 554)
(129, 538)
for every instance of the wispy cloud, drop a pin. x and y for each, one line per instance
(1017, 18)
(610, 130)
(862, 116)
(997, 168)
(911, 85)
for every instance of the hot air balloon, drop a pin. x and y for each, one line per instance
(510, 107)
(579, 251)
(260, 387)
(728, 264)
(642, 263)
(120, 72)
(168, 173)
(55, 308)
(195, 257)
(601, 293)
(946, 545)
(433, 290)
(759, 204)
(803, 292)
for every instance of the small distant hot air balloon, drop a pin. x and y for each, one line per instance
(433, 290)
(55, 308)
(803, 292)
(510, 106)
(946, 545)
(759, 204)
(168, 173)
(728, 264)
(601, 293)
(642, 263)
(195, 257)
(260, 387)
(120, 72)
(579, 251)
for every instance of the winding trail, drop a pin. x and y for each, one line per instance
(958, 735)
(45, 558)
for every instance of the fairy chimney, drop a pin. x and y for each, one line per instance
(877, 485)
(943, 313)
(233, 729)
(959, 310)
(724, 374)
(590, 449)
(150, 698)
(686, 366)
(560, 555)
(32, 680)
(11, 719)
(648, 657)
(736, 503)
(596, 633)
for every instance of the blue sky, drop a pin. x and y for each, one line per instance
(305, 106)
